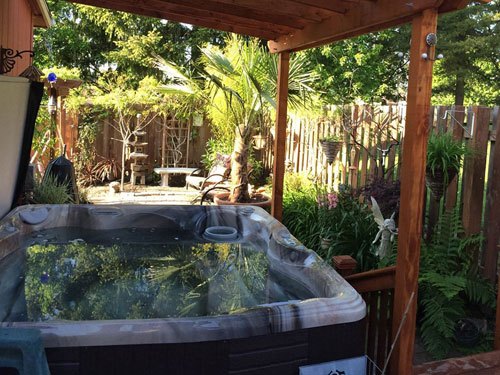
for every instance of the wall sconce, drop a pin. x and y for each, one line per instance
(431, 41)
(52, 105)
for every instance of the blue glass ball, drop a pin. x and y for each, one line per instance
(44, 278)
(52, 77)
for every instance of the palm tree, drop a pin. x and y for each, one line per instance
(240, 83)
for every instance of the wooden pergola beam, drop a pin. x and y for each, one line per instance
(337, 6)
(159, 9)
(235, 9)
(364, 18)
(285, 7)
(412, 193)
(280, 138)
(451, 5)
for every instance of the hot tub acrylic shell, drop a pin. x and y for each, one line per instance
(268, 337)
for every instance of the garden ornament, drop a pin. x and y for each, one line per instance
(387, 230)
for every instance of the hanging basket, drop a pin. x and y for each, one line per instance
(439, 181)
(331, 149)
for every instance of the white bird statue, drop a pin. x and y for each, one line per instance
(387, 230)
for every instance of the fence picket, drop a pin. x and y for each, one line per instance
(492, 229)
(474, 172)
(455, 125)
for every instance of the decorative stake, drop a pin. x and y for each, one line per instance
(8, 58)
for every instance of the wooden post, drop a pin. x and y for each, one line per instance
(280, 138)
(492, 227)
(412, 192)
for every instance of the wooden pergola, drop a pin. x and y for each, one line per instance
(293, 25)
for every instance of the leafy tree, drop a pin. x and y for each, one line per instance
(113, 94)
(91, 39)
(470, 42)
(367, 67)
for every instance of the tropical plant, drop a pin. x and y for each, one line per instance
(449, 284)
(240, 84)
(107, 169)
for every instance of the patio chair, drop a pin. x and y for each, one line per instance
(219, 172)
(207, 194)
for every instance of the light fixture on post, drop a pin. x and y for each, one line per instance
(431, 41)
(52, 105)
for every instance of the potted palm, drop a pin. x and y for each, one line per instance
(331, 146)
(239, 84)
(444, 159)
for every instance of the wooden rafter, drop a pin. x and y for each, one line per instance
(235, 9)
(41, 13)
(337, 6)
(288, 25)
(364, 18)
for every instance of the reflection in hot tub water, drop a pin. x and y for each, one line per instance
(140, 274)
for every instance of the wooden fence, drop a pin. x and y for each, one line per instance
(372, 148)
(170, 142)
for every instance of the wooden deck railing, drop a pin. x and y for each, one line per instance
(377, 289)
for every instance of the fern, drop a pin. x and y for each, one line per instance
(448, 282)
(449, 285)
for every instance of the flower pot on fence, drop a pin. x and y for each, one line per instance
(331, 149)
(438, 181)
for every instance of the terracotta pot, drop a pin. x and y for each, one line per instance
(331, 149)
(438, 181)
(259, 200)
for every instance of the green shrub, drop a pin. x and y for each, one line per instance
(352, 229)
(349, 224)
(49, 191)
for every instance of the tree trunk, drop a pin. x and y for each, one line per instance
(122, 180)
(239, 166)
(459, 90)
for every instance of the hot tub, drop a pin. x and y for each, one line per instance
(172, 289)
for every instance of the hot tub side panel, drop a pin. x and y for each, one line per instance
(281, 353)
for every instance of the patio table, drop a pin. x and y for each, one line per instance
(164, 172)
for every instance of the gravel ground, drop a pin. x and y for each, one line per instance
(141, 194)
